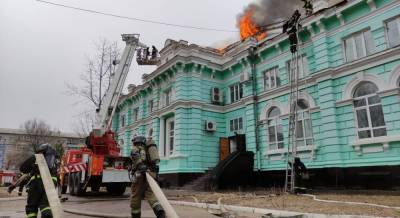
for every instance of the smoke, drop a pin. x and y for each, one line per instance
(266, 12)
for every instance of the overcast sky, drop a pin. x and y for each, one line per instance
(42, 47)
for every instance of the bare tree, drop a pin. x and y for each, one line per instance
(96, 78)
(38, 132)
(21, 147)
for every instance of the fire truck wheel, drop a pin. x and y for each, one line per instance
(95, 187)
(79, 190)
(116, 189)
(71, 185)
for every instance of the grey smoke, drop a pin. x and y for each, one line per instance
(271, 11)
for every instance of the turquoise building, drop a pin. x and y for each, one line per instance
(199, 98)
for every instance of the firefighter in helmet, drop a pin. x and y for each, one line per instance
(145, 158)
(37, 198)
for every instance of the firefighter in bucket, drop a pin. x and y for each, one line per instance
(145, 158)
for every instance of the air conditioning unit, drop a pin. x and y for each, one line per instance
(244, 77)
(216, 95)
(210, 126)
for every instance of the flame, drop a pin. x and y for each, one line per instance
(248, 28)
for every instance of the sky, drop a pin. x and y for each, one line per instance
(43, 47)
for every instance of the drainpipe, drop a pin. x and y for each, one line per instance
(252, 53)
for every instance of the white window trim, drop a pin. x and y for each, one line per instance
(364, 46)
(164, 140)
(304, 68)
(397, 18)
(236, 92)
(277, 122)
(367, 108)
(394, 77)
(234, 129)
(271, 72)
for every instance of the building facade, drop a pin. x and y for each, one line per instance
(15, 145)
(349, 117)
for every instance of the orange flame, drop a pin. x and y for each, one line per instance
(248, 28)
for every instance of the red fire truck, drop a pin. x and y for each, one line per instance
(100, 164)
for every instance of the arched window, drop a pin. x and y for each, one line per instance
(368, 110)
(304, 136)
(275, 130)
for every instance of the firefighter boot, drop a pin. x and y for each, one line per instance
(159, 211)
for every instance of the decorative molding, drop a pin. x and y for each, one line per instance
(389, 92)
(345, 102)
(283, 107)
(394, 78)
(362, 77)
(371, 5)
(384, 140)
(340, 17)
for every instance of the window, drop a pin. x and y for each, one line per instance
(368, 111)
(169, 136)
(236, 92)
(167, 97)
(150, 106)
(275, 130)
(393, 32)
(271, 78)
(304, 136)
(236, 124)
(135, 114)
(303, 66)
(122, 120)
(358, 45)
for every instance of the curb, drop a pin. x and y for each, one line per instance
(12, 199)
(253, 210)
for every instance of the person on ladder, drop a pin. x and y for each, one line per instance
(301, 175)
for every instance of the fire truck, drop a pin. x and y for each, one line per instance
(99, 163)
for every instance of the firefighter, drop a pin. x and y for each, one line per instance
(144, 159)
(37, 198)
(308, 7)
(301, 175)
(154, 52)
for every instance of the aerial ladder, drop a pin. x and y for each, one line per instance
(100, 163)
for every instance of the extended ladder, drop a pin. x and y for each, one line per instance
(293, 99)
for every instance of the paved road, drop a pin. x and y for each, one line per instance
(99, 204)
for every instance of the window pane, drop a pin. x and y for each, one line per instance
(241, 91)
(309, 141)
(274, 112)
(232, 94)
(280, 145)
(379, 132)
(359, 46)
(364, 134)
(271, 134)
(231, 125)
(240, 123)
(359, 102)
(365, 88)
(377, 118)
(280, 133)
(348, 44)
(236, 93)
(362, 118)
(266, 80)
(302, 104)
(300, 143)
(374, 99)
(236, 121)
(393, 33)
(307, 128)
(369, 42)
(299, 131)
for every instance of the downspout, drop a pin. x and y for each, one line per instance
(253, 57)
